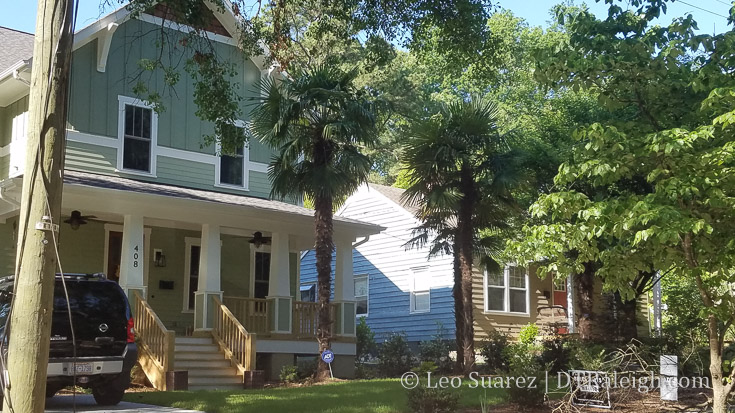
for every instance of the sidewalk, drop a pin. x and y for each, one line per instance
(86, 403)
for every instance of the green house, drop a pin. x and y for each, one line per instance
(210, 264)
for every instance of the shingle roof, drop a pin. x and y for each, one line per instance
(394, 194)
(14, 47)
(124, 184)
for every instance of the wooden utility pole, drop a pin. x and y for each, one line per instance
(30, 320)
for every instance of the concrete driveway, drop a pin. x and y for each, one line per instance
(86, 403)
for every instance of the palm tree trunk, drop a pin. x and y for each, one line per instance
(458, 313)
(324, 248)
(465, 235)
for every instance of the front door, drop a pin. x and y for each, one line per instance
(560, 299)
(192, 273)
(114, 255)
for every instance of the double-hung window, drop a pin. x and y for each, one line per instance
(507, 291)
(137, 130)
(361, 295)
(421, 290)
(232, 168)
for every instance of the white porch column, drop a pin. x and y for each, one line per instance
(132, 260)
(344, 288)
(570, 305)
(280, 301)
(209, 277)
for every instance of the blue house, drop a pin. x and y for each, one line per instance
(396, 289)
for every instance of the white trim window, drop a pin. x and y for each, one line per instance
(137, 131)
(507, 292)
(420, 290)
(260, 267)
(231, 171)
(362, 292)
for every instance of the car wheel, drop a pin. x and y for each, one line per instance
(109, 395)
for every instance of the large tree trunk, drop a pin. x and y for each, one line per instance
(584, 288)
(626, 325)
(458, 314)
(465, 235)
(720, 391)
(30, 320)
(324, 248)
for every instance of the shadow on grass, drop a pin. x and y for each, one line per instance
(358, 396)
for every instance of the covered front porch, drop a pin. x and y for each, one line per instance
(203, 264)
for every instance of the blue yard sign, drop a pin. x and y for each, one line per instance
(328, 357)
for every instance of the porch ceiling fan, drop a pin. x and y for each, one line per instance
(258, 239)
(77, 219)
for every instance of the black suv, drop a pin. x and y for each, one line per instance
(103, 327)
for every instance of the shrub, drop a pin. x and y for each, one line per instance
(289, 374)
(492, 350)
(426, 367)
(523, 362)
(366, 371)
(365, 341)
(528, 333)
(587, 356)
(432, 400)
(395, 356)
(555, 354)
(437, 350)
(306, 368)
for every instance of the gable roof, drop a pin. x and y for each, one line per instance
(16, 46)
(395, 195)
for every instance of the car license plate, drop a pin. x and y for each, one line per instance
(84, 368)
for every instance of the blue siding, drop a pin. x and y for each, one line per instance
(389, 306)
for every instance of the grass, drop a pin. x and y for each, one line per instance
(356, 396)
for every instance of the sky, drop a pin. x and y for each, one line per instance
(710, 14)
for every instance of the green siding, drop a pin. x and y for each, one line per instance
(4, 166)
(82, 250)
(259, 152)
(6, 118)
(259, 185)
(94, 95)
(169, 304)
(7, 247)
(235, 267)
(91, 158)
(181, 172)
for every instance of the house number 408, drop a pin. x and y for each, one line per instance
(135, 257)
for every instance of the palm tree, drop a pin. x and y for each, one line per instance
(318, 122)
(461, 171)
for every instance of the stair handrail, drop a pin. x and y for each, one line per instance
(236, 342)
(153, 336)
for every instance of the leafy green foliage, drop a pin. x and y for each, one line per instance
(365, 341)
(493, 350)
(422, 399)
(528, 333)
(524, 363)
(395, 356)
(436, 350)
(288, 374)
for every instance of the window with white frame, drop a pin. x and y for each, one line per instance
(137, 130)
(232, 170)
(308, 292)
(507, 291)
(361, 294)
(421, 290)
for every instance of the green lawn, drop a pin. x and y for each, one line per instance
(378, 396)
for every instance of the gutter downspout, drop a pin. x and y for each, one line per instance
(362, 241)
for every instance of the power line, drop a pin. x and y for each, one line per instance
(724, 2)
(703, 9)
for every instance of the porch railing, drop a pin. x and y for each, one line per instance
(306, 318)
(156, 343)
(251, 312)
(237, 344)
